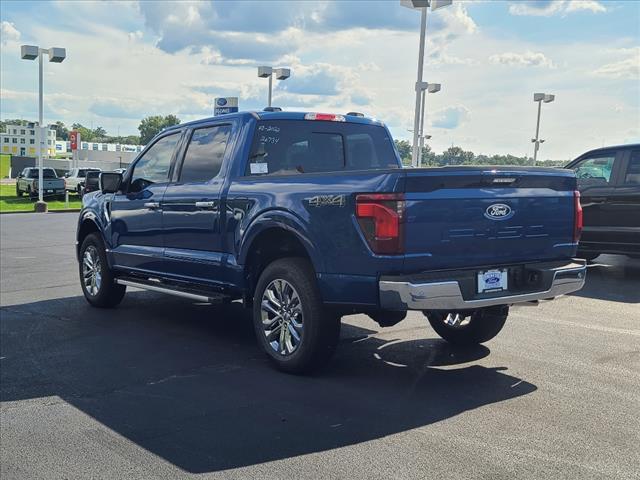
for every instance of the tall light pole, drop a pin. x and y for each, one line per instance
(56, 55)
(421, 5)
(429, 88)
(268, 72)
(546, 98)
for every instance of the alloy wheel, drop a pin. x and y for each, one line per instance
(282, 317)
(91, 270)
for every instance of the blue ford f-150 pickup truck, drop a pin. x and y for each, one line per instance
(307, 217)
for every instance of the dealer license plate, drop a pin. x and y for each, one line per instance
(492, 281)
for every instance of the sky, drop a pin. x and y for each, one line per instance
(128, 60)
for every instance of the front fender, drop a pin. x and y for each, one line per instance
(284, 220)
(94, 211)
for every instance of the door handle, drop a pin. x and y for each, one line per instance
(152, 205)
(206, 205)
(598, 199)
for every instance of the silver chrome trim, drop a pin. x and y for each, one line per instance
(447, 295)
(169, 291)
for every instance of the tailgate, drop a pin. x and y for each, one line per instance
(53, 184)
(465, 217)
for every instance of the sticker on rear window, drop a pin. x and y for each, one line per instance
(259, 167)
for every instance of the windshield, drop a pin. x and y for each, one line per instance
(284, 147)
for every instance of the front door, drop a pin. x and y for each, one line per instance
(596, 175)
(136, 214)
(192, 208)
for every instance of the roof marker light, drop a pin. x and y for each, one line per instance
(331, 117)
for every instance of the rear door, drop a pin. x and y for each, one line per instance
(596, 174)
(193, 208)
(625, 205)
(136, 214)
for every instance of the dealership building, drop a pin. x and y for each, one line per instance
(21, 140)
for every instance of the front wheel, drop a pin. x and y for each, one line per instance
(290, 321)
(96, 278)
(469, 328)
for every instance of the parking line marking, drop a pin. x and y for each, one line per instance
(599, 328)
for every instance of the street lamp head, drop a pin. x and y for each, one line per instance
(548, 98)
(415, 3)
(264, 72)
(57, 55)
(29, 52)
(434, 87)
(282, 73)
(538, 97)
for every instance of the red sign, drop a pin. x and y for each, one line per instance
(73, 137)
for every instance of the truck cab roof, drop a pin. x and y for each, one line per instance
(246, 116)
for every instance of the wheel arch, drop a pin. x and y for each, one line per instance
(87, 225)
(270, 241)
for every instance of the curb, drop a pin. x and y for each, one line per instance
(69, 210)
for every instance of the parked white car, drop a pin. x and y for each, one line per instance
(75, 179)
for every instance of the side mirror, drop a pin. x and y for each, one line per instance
(110, 182)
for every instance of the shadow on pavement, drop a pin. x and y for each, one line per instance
(614, 278)
(188, 382)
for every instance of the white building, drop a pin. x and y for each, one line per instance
(63, 147)
(21, 140)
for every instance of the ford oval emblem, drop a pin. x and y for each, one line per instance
(221, 102)
(498, 211)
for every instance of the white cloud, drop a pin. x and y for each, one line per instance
(8, 33)
(592, 6)
(526, 59)
(627, 68)
(546, 8)
(450, 117)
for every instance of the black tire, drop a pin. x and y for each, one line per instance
(108, 294)
(18, 192)
(320, 330)
(484, 324)
(79, 191)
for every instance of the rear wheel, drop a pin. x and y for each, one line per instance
(290, 321)
(588, 256)
(18, 191)
(476, 327)
(96, 278)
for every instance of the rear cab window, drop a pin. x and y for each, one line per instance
(293, 147)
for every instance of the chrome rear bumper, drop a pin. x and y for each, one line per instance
(447, 295)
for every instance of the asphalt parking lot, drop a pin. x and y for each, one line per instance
(165, 388)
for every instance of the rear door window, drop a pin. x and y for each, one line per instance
(291, 147)
(205, 153)
(632, 175)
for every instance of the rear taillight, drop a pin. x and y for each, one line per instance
(577, 219)
(381, 218)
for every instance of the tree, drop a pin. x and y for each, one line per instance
(100, 133)
(151, 126)
(62, 132)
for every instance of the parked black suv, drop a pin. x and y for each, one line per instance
(609, 184)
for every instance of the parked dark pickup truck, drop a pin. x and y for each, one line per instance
(27, 182)
(609, 184)
(306, 217)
